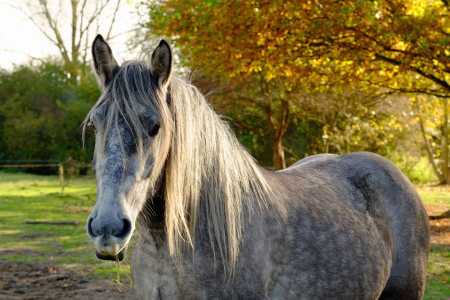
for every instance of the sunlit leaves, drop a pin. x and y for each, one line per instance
(364, 42)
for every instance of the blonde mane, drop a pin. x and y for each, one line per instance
(204, 164)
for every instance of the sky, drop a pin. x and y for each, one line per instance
(19, 38)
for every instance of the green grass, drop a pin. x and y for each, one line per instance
(438, 282)
(25, 197)
(435, 198)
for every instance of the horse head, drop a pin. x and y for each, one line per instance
(131, 142)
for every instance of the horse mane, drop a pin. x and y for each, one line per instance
(205, 166)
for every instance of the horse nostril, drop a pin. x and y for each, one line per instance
(126, 229)
(90, 230)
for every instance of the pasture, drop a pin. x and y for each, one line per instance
(25, 197)
(66, 248)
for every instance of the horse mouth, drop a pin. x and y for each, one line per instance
(118, 257)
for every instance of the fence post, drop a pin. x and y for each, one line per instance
(61, 177)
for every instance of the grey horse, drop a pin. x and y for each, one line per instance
(215, 225)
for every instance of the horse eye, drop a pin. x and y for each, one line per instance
(154, 130)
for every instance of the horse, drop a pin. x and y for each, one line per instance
(213, 224)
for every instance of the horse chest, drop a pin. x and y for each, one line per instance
(156, 277)
(152, 270)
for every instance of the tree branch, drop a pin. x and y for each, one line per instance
(268, 108)
(113, 20)
(253, 129)
(438, 81)
(428, 150)
(30, 17)
(291, 153)
(53, 26)
(95, 16)
(74, 4)
(122, 33)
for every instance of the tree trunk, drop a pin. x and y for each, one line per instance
(277, 131)
(437, 171)
(430, 154)
(278, 150)
(444, 144)
(278, 154)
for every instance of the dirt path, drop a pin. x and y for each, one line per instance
(440, 229)
(47, 281)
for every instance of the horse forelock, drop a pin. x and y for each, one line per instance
(205, 166)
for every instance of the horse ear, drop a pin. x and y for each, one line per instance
(105, 64)
(161, 63)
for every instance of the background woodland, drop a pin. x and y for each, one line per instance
(294, 78)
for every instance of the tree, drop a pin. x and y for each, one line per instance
(395, 44)
(339, 120)
(354, 119)
(370, 41)
(49, 18)
(432, 116)
(272, 100)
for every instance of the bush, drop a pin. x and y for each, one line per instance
(417, 169)
(41, 109)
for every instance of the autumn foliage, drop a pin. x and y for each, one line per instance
(321, 42)
(273, 53)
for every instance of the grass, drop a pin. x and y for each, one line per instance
(25, 197)
(438, 284)
(438, 281)
(435, 198)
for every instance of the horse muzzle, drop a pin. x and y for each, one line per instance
(110, 236)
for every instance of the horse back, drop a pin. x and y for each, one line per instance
(375, 197)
